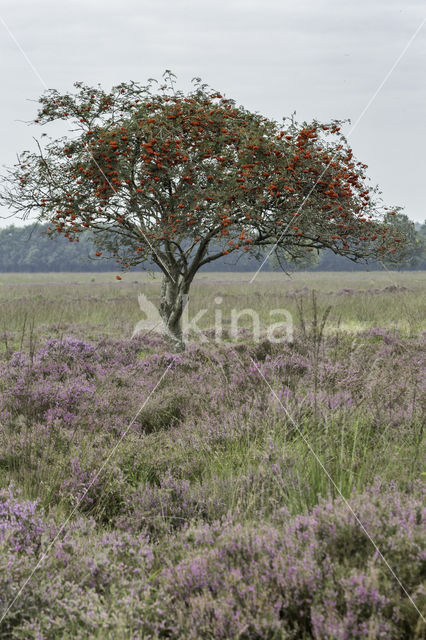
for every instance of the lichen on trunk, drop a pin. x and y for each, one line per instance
(173, 294)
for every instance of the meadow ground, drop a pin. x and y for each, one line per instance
(241, 489)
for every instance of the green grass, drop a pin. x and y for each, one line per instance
(216, 427)
(103, 305)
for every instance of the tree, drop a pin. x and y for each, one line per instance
(412, 250)
(281, 259)
(162, 176)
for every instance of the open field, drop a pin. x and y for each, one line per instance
(104, 305)
(242, 489)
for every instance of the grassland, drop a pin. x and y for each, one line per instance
(243, 489)
(359, 301)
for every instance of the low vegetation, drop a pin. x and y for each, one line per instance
(241, 489)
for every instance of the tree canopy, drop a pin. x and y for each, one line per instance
(161, 176)
(29, 249)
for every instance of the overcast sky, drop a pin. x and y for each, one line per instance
(323, 59)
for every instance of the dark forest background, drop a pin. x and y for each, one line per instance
(29, 249)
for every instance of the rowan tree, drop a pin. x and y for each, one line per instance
(180, 179)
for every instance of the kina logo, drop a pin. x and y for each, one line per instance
(152, 322)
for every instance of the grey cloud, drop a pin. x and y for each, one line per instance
(322, 58)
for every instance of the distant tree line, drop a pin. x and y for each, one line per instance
(28, 249)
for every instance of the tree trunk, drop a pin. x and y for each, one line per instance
(171, 309)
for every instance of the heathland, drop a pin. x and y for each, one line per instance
(244, 488)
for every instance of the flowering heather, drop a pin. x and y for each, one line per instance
(314, 575)
(212, 518)
(71, 381)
